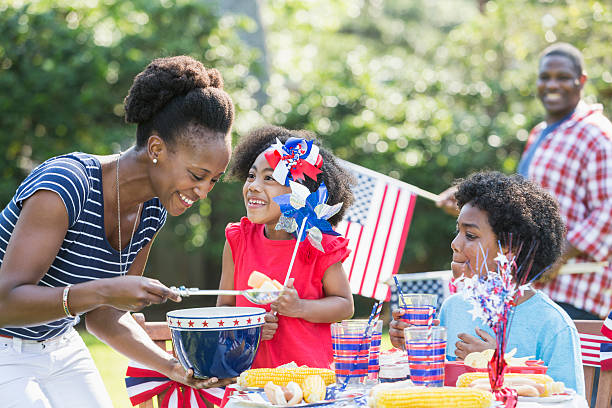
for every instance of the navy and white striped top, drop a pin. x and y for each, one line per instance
(85, 253)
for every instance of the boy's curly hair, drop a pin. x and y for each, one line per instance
(518, 210)
(174, 94)
(337, 180)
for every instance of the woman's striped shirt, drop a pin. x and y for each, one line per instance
(85, 253)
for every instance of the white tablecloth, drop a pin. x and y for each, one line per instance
(261, 402)
(577, 402)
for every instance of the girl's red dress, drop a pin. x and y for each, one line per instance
(296, 339)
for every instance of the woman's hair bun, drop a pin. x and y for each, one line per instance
(216, 80)
(164, 79)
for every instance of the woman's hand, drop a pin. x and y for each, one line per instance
(469, 344)
(132, 293)
(289, 302)
(179, 374)
(396, 329)
(270, 326)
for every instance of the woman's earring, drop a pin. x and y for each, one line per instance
(155, 161)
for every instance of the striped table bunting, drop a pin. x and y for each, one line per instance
(142, 384)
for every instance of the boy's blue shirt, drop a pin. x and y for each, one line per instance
(539, 328)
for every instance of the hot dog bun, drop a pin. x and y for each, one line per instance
(275, 394)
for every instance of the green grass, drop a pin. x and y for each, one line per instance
(385, 342)
(112, 366)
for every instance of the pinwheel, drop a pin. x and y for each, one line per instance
(310, 211)
(303, 207)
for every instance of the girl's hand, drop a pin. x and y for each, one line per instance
(289, 302)
(270, 326)
(469, 344)
(179, 374)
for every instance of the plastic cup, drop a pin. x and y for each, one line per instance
(374, 363)
(351, 351)
(419, 308)
(425, 347)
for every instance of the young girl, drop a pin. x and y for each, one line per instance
(492, 207)
(298, 323)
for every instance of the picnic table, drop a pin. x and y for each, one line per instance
(576, 402)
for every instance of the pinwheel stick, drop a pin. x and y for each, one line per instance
(297, 243)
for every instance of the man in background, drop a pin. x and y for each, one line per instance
(570, 154)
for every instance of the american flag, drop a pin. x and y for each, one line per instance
(590, 348)
(606, 329)
(605, 348)
(377, 226)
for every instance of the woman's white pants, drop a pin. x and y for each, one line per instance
(55, 373)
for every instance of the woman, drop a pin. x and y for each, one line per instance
(75, 239)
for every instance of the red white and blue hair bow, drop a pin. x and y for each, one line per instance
(302, 206)
(142, 384)
(294, 159)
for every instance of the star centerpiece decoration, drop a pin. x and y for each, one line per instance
(493, 295)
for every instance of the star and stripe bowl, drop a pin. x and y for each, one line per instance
(216, 341)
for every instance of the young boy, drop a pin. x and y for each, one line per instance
(493, 208)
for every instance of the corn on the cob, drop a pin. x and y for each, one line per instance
(444, 397)
(465, 379)
(258, 377)
(313, 388)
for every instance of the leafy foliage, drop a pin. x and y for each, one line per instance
(424, 91)
(66, 67)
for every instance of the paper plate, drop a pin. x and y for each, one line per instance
(256, 398)
(568, 395)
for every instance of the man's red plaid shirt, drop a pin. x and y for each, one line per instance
(574, 163)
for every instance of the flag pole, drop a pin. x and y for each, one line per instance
(567, 269)
(295, 248)
(424, 193)
(417, 190)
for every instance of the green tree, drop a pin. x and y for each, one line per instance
(65, 68)
(422, 91)
(426, 91)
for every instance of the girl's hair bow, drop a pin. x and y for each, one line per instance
(294, 159)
